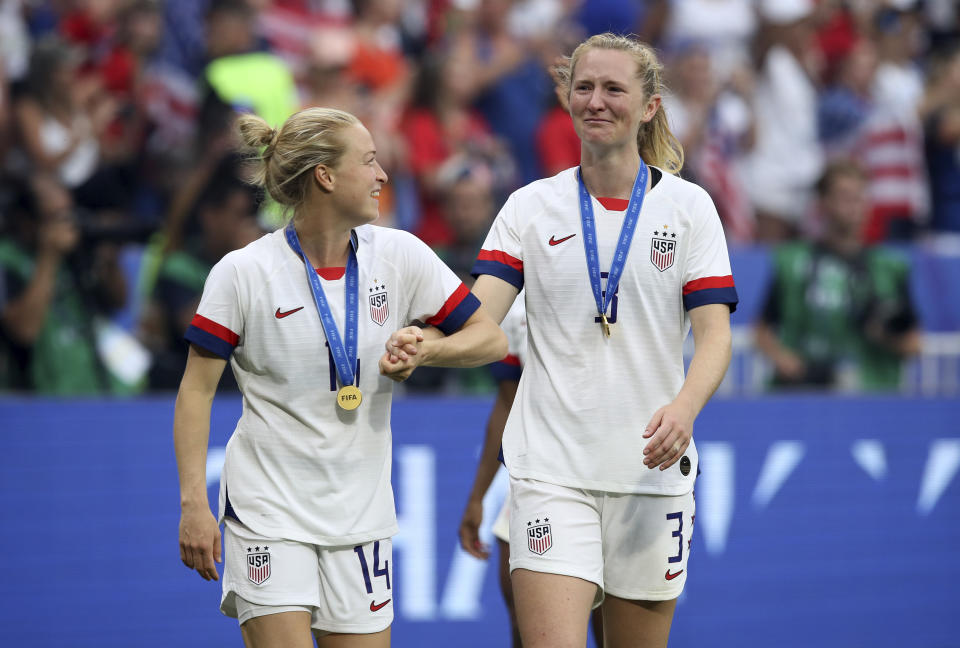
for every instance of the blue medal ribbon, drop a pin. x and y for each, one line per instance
(589, 227)
(345, 358)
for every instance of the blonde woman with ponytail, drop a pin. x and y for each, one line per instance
(304, 316)
(620, 258)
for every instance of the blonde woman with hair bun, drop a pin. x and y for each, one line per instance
(304, 316)
(619, 259)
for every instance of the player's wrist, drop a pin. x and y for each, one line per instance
(193, 502)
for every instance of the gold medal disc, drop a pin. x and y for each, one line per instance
(604, 324)
(349, 397)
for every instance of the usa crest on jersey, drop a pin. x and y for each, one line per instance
(379, 309)
(258, 565)
(662, 251)
(539, 539)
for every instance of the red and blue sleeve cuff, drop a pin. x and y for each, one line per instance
(501, 265)
(507, 369)
(456, 310)
(710, 290)
(211, 336)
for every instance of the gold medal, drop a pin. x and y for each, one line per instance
(349, 397)
(605, 324)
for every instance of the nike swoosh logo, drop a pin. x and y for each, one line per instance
(289, 312)
(377, 606)
(670, 576)
(554, 241)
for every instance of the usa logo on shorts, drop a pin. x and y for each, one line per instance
(379, 310)
(539, 539)
(662, 249)
(258, 564)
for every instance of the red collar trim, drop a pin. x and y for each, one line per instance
(614, 204)
(331, 274)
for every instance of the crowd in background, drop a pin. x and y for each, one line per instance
(116, 142)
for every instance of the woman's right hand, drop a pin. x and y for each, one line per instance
(470, 529)
(200, 541)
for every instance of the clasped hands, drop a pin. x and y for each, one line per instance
(403, 353)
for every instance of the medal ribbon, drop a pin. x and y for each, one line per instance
(623, 244)
(344, 358)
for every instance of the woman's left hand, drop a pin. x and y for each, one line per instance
(670, 431)
(402, 354)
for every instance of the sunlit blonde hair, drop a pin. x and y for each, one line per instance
(656, 143)
(308, 138)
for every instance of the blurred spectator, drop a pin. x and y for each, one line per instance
(139, 28)
(225, 220)
(290, 28)
(444, 136)
(838, 30)
(899, 80)
(239, 76)
(14, 40)
(184, 41)
(60, 118)
(884, 138)
(325, 81)
(838, 314)
(847, 103)
(787, 158)
(378, 63)
(55, 291)
(509, 83)
(941, 113)
(714, 122)
(645, 18)
(724, 28)
(558, 145)
(468, 208)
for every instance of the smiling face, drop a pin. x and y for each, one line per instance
(358, 177)
(607, 101)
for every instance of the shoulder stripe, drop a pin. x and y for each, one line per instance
(455, 311)
(500, 257)
(706, 296)
(500, 265)
(211, 336)
(213, 328)
(708, 282)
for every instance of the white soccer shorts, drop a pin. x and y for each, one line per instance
(632, 546)
(501, 526)
(347, 589)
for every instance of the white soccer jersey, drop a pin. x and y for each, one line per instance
(584, 399)
(297, 466)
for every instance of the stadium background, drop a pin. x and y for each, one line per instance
(827, 518)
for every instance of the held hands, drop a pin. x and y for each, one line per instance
(402, 354)
(470, 530)
(200, 541)
(671, 429)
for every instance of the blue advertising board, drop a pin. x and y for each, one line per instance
(820, 521)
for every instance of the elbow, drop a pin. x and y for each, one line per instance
(498, 347)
